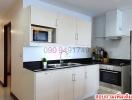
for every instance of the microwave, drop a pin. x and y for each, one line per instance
(41, 34)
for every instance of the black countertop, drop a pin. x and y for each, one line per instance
(55, 68)
(36, 66)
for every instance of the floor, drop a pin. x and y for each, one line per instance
(5, 93)
(104, 90)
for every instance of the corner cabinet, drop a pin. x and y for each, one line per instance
(114, 23)
(92, 80)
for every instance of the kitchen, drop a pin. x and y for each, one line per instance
(114, 74)
(54, 60)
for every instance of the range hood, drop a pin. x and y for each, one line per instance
(114, 24)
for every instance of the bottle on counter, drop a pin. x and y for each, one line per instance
(105, 57)
(44, 62)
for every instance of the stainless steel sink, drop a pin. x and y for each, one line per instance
(64, 65)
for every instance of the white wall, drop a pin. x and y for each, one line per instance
(118, 49)
(54, 52)
(14, 15)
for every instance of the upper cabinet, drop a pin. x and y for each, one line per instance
(69, 30)
(43, 17)
(84, 28)
(66, 28)
(114, 23)
(73, 31)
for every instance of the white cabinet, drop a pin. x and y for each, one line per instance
(73, 31)
(79, 83)
(66, 84)
(69, 29)
(71, 83)
(66, 28)
(43, 17)
(84, 32)
(114, 23)
(92, 80)
(47, 85)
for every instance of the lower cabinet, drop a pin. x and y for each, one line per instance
(79, 83)
(71, 83)
(47, 85)
(91, 80)
(67, 84)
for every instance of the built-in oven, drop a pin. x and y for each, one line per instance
(110, 76)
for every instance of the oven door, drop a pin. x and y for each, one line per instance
(109, 76)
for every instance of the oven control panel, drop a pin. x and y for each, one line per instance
(111, 67)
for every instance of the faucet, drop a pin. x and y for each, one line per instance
(63, 51)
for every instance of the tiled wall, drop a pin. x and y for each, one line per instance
(54, 52)
(118, 49)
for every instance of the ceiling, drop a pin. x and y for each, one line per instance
(91, 7)
(5, 5)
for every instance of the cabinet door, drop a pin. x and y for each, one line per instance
(47, 85)
(66, 28)
(111, 18)
(79, 83)
(43, 17)
(84, 32)
(92, 80)
(66, 84)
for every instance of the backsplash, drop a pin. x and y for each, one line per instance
(54, 53)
